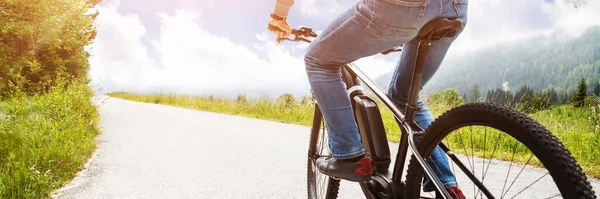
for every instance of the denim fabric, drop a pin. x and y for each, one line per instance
(368, 28)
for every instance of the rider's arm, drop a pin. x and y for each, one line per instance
(282, 7)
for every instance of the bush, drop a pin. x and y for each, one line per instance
(286, 100)
(241, 99)
(448, 97)
(41, 42)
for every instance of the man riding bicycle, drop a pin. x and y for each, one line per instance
(368, 28)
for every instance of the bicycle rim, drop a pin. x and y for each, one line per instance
(509, 153)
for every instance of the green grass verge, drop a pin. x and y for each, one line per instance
(570, 125)
(45, 140)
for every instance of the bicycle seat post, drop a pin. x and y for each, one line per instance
(432, 31)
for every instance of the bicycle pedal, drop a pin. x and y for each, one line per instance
(335, 178)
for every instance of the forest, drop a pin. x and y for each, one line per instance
(550, 62)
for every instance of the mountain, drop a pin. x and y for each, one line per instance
(540, 63)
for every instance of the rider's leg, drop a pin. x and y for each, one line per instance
(399, 91)
(357, 33)
(400, 87)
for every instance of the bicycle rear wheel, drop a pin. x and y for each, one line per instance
(512, 156)
(319, 185)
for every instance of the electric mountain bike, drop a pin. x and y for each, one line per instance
(495, 151)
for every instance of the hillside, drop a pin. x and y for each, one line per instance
(542, 62)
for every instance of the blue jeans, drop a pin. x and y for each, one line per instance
(371, 27)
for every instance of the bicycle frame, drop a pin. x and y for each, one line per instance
(408, 129)
(388, 184)
(405, 120)
(434, 30)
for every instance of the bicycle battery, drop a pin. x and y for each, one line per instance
(372, 132)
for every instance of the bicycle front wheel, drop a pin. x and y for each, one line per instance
(508, 154)
(320, 186)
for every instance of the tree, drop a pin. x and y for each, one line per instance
(565, 98)
(524, 95)
(500, 96)
(553, 96)
(541, 101)
(42, 44)
(579, 98)
(475, 94)
(597, 88)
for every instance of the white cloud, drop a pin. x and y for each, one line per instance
(491, 22)
(118, 56)
(575, 20)
(323, 9)
(192, 59)
(375, 66)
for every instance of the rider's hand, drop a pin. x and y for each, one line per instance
(279, 27)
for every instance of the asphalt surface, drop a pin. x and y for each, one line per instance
(157, 151)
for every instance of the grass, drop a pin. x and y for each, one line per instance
(45, 140)
(285, 109)
(576, 132)
(571, 125)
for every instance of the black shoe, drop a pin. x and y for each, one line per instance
(357, 172)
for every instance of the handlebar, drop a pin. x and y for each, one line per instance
(300, 34)
(304, 32)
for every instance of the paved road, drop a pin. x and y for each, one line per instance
(156, 151)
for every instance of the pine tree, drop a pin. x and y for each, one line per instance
(524, 95)
(475, 94)
(579, 97)
(564, 99)
(597, 88)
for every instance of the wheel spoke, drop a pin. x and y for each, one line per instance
(509, 168)
(513, 182)
(464, 148)
(321, 184)
(490, 161)
(557, 195)
(531, 184)
(324, 137)
(509, 131)
(472, 157)
(483, 160)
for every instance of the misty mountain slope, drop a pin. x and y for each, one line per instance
(542, 62)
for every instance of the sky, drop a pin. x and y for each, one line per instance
(223, 48)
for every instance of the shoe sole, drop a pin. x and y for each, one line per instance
(353, 178)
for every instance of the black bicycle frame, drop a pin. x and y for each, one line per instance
(409, 129)
(431, 31)
(434, 30)
(406, 128)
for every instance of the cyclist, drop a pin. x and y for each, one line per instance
(368, 28)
